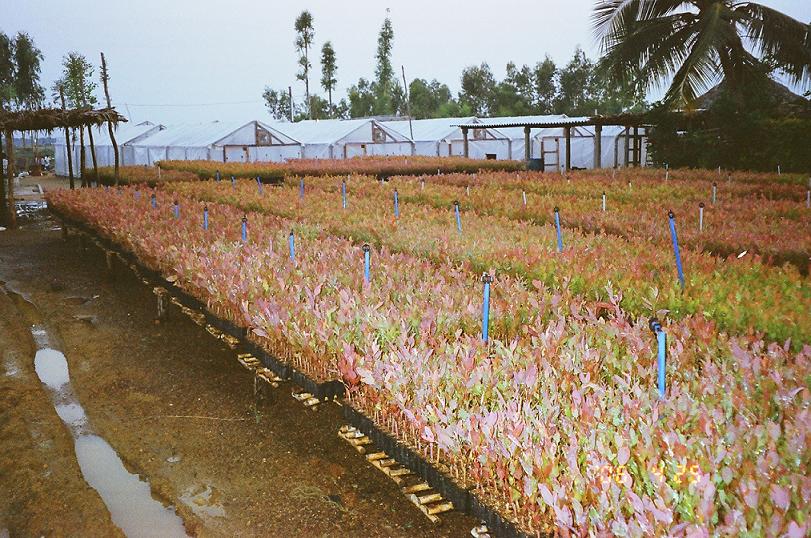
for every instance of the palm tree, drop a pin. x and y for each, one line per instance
(696, 41)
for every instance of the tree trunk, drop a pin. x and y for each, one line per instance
(11, 217)
(67, 144)
(85, 183)
(93, 153)
(330, 102)
(3, 206)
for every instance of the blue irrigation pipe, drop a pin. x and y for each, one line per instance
(343, 194)
(661, 355)
(154, 201)
(291, 241)
(458, 216)
(557, 228)
(396, 205)
(367, 276)
(487, 280)
(176, 210)
(674, 237)
(244, 229)
(205, 217)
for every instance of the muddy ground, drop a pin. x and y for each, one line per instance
(179, 410)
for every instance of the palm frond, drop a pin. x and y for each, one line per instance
(780, 37)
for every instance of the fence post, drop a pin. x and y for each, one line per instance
(557, 228)
(676, 251)
(487, 280)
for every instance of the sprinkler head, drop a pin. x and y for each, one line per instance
(671, 215)
(701, 205)
(456, 203)
(244, 218)
(714, 184)
(654, 325)
(557, 210)
(291, 233)
(366, 247)
(486, 278)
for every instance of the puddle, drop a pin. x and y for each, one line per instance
(30, 210)
(126, 495)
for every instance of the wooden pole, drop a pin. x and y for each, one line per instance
(105, 76)
(11, 215)
(598, 146)
(93, 153)
(527, 147)
(68, 148)
(82, 173)
(3, 216)
(567, 132)
(464, 136)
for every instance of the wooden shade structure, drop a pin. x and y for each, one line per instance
(44, 119)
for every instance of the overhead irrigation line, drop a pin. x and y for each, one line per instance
(253, 102)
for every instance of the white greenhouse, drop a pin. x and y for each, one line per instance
(344, 139)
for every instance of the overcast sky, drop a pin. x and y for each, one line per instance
(204, 53)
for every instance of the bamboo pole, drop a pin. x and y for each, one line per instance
(68, 148)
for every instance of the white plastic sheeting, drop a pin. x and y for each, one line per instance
(344, 139)
(217, 141)
(125, 133)
(439, 137)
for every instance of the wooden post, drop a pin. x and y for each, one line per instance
(82, 161)
(527, 147)
(68, 149)
(105, 76)
(12, 215)
(464, 136)
(567, 132)
(598, 146)
(637, 158)
(93, 153)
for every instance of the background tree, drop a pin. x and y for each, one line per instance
(385, 82)
(304, 40)
(278, 105)
(79, 87)
(544, 77)
(329, 67)
(29, 93)
(478, 89)
(58, 94)
(694, 40)
(362, 99)
(6, 98)
(431, 99)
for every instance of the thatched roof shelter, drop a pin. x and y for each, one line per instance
(48, 119)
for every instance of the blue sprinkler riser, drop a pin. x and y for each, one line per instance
(557, 229)
(676, 251)
(205, 218)
(486, 311)
(291, 241)
(661, 340)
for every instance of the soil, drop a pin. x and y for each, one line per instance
(176, 406)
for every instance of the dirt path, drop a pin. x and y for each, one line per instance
(179, 411)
